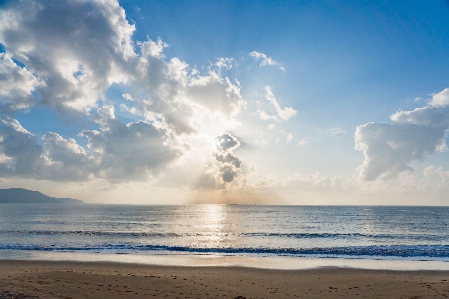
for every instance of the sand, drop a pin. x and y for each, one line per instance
(41, 279)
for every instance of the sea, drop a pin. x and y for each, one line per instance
(285, 237)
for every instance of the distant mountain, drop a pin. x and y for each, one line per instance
(20, 195)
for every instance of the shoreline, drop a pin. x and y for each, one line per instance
(68, 279)
(219, 260)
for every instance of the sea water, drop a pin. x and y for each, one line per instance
(228, 232)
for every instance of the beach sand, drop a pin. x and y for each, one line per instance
(41, 279)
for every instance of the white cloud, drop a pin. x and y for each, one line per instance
(154, 49)
(225, 63)
(166, 92)
(19, 148)
(302, 142)
(216, 94)
(433, 182)
(430, 116)
(412, 136)
(17, 85)
(263, 141)
(119, 152)
(132, 110)
(70, 63)
(389, 148)
(282, 113)
(264, 59)
(264, 116)
(435, 179)
(66, 160)
(77, 55)
(22, 155)
(314, 182)
(158, 90)
(441, 98)
(127, 97)
(133, 151)
(337, 131)
(405, 187)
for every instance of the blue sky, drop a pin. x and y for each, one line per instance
(282, 102)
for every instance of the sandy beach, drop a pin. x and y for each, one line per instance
(41, 279)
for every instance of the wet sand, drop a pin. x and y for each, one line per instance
(41, 279)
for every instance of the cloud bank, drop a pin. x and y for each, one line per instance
(69, 62)
(411, 136)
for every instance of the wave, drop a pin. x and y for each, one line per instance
(89, 233)
(433, 237)
(376, 251)
(346, 236)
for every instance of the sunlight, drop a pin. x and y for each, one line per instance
(214, 220)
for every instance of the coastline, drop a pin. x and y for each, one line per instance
(276, 262)
(68, 279)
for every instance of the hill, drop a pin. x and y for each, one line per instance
(20, 195)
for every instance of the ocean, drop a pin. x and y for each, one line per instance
(357, 233)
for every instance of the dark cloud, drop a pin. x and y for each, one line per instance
(224, 168)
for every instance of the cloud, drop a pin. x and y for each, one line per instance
(441, 98)
(17, 85)
(435, 179)
(302, 142)
(315, 182)
(225, 63)
(58, 160)
(119, 152)
(19, 150)
(289, 137)
(133, 151)
(70, 62)
(65, 160)
(389, 148)
(216, 94)
(264, 59)
(430, 116)
(280, 113)
(224, 166)
(265, 116)
(167, 93)
(159, 90)
(76, 55)
(407, 186)
(412, 136)
(432, 180)
(337, 131)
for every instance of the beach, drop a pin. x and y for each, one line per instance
(223, 251)
(64, 279)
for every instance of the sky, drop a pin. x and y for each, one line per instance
(243, 102)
